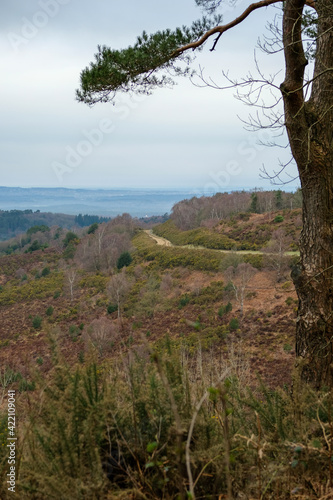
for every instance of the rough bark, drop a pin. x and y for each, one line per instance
(310, 130)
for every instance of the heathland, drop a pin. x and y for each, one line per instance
(156, 361)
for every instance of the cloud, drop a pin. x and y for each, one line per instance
(172, 137)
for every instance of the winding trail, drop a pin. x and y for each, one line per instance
(164, 242)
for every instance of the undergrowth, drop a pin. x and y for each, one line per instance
(166, 425)
(170, 257)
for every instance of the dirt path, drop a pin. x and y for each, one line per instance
(159, 240)
(164, 242)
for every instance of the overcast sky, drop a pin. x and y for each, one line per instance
(185, 137)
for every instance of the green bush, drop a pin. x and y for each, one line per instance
(125, 259)
(228, 307)
(289, 301)
(45, 271)
(69, 251)
(25, 385)
(95, 282)
(112, 308)
(31, 290)
(36, 322)
(183, 301)
(171, 257)
(92, 228)
(74, 332)
(34, 246)
(234, 324)
(49, 311)
(36, 229)
(224, 309)
(279, 218)
(70, 238)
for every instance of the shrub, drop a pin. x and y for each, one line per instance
(49, 311)
(278, 218)
(224, 309)
(25, 385)
(69, 251)
(36, 229)
(93, 228)
(84, 420)
(70, 237)
(228, 307)
(289, 301)
(124, 260)
(112, 308)
(34, 246)
(221, 311)
(234, 324)
(231, 259)
(101, 334)
(56, 294)
(183, 301)
(74, 332)
(198, 237)
(36, 322)
(46, 271)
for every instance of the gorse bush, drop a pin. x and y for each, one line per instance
(225, 309)
(171, 257)
(200, 236)
(28, 291)
(207, 295)
(158, 426)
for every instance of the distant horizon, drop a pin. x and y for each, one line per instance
(109, 202)
(286, 187)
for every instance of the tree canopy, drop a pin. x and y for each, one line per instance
(135, 69)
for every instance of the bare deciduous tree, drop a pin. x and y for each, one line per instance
(239, 278)
(101, 333)
(71, 281)
(118, 289)
(275, 253)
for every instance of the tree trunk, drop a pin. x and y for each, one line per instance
(310, 131)
(314, 283)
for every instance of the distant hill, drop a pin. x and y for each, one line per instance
(14, 222)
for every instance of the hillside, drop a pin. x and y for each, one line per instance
(174, 291)
(173, 318)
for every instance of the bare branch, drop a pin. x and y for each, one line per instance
(222, 29)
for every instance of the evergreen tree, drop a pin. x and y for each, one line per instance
(125, 259)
